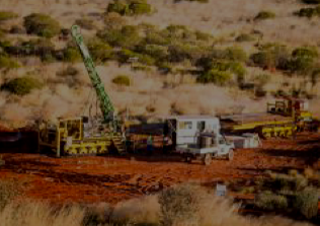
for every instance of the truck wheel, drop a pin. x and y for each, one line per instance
(230, 155)
(188, 159)
(206, 160)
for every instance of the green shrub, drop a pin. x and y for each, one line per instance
(131, 33)
(215, 76)
(180, 51)
(235, 54)
(236, 68)
(260, 92)
(306, 202)
(176, 32)
(201, 1)
(308, 12)
(264, 15)
(114, 21)
(146, 59)
(2, 34)
(22, 86)
(99, 50)
(278, 94)
(311, 1)
(6, 15)
(85, 23)
(146, 28)
(303, 60)
(271, 55)
(69, 71)
(269, 201)
(5, 44)
(262, 79)
(127, 37)
(305, 52)
(205, 62)
(122, 80)
(202, 36)
(129, 8)
(247, 190)
(17, 29)
(284, 182)
(71, 54)
(300, 182)
(293, 172)
(287, 182)
(156, 51)
(157, 38)
(7, 62)
(231, 66)
(263, 59)
(140, 67)
(245, 38)
(118, 7)
(140, 8)
(112, 37)
(164, 66)
(176, 35)
(39, 47)
(126, 55)
(41, 25)
(48, 58)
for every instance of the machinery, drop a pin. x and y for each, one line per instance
(199, 137)
(191, 136)
(209, 145)
(283, 118)
(298, 109)
(290, 107)
(84, 135)
(264, 124)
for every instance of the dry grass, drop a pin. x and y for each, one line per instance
(208, 210)
(141, 210)
(31, 213)
(9, 190)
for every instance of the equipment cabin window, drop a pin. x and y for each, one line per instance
(185, 125)
(73, 127)
(201, 125)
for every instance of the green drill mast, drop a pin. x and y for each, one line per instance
(106, 105)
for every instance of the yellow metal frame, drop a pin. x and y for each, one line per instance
(249, 126)
(80, 145)
(55, 145)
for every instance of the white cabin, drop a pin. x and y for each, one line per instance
(187, 128)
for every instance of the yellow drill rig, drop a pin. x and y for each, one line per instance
(84, 135)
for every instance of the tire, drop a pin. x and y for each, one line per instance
(206, 159)
(230, 155)
(188, 159)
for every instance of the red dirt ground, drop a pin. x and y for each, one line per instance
(112, 179)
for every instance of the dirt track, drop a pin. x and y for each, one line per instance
(111, 179)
